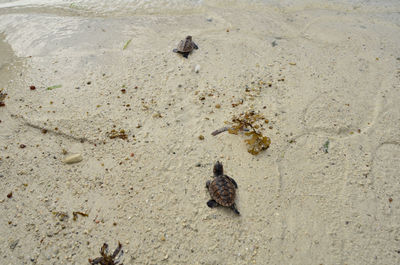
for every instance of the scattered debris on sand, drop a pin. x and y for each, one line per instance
(251, 123)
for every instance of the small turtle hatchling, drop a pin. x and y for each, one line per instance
(222, 189)
(186, 46)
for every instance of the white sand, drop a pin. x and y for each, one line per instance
(299, 205)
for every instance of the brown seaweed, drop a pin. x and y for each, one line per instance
(62, 216)
(106, 258)
(251, 124)
(118, 134)
(75, 214)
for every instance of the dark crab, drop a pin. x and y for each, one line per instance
(222, 189)
(106, 258)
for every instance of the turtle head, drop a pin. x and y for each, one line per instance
(189, 38)
(218, 169)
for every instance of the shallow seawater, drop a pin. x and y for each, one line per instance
(140, 7)
(28, 22)
(104, 8)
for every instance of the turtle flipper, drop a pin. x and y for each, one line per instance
(208, 183)
(233, 207)
(233, 181)
(195, 46)
(175, 50)
(185, 54)
(212, 203)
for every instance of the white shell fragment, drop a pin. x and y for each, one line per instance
(197, 68)
(71, 159)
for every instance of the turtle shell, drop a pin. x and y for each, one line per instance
(186, 45)
(222, 190)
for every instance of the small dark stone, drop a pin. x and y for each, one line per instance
(274, 43)
(14, 244)
(89, 82)
(32, 87)
(9, 195)
(22, 146)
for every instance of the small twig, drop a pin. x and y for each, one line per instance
(216, 132)
(224, 129)
(43, 129)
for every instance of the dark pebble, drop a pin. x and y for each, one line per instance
(14, 244)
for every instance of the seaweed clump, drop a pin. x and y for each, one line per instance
(62, 216)
(118, 134)
(106, 258)
(251, 123)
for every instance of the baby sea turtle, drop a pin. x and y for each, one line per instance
(222, 189)
(186, 46)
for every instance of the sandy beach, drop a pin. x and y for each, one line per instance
(100, 80)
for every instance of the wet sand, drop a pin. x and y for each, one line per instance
(326, 76)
